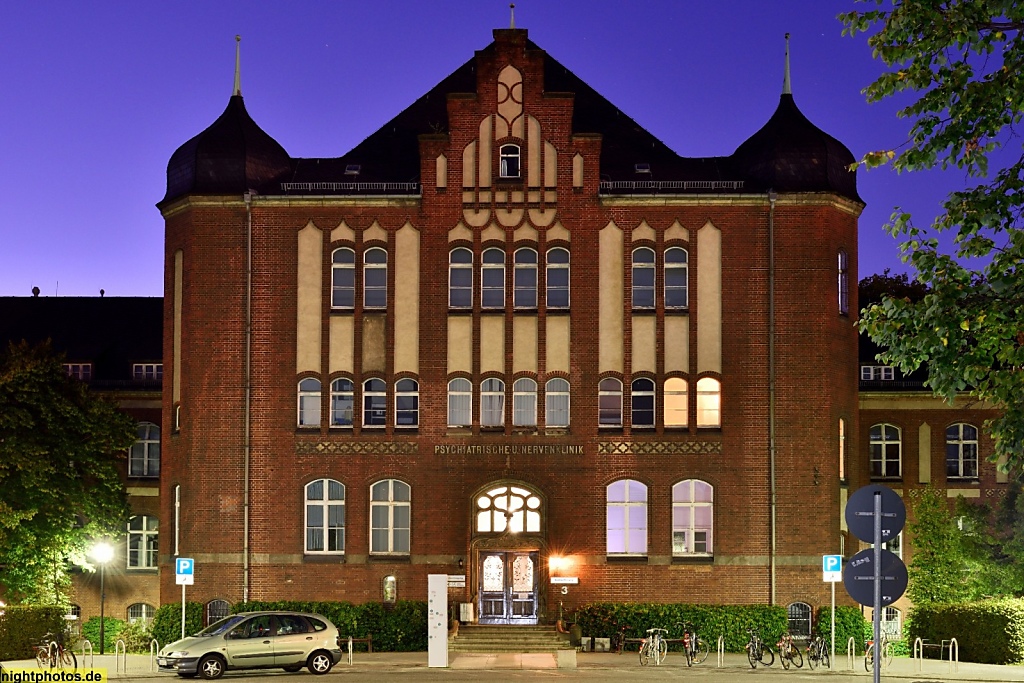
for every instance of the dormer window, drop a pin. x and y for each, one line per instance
(642, 167)
(509, 160)
(353, 169)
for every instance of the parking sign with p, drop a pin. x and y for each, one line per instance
(832, 568)
(184, 571)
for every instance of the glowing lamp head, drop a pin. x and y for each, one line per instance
(102, 552)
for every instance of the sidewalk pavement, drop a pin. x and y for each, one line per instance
(138, 667)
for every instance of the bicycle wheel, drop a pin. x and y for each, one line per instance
(42, 658)
(785, 657)
(645, 654)
(700, 652)
(869, 658)
(812, 655)
(796, 657)
(886, 654)
(825, 661)
(767, 656)
(68, 660)
(751, 656)
(662, 650)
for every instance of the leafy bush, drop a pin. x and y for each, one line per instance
(166, 626)
(112, 628)
(989, 631)
(21, 628)
(850, 623)
(136, 636)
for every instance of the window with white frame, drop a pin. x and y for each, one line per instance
(216, 610)
(877, 372)
(886, 451)
(407, 403)
(141, 611)
(492, 402)
(642, 401)
(325, 517)
(390, 517)
(508, 508)
(844, 283)
(492, 278)
(375, 278)
(508, 161)
(524, 293)
(557, 278)
(460, 402)
(609, 403)
(709, 402)
(626, 518)
(80, 371)
(894, 545)
(375, 413)
(676, 400)
(892, 623)
(799, 619)
(556, 402)
(524, 402)
(343, 401)
(309, 402)
(676, 278)
(143, 534)
(150, 371)
(460, 278)
(343, 278)
(692, 518)
(144, 456)
(643, 278)
(961, 451)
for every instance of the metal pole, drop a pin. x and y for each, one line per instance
(833, 659)
(877, 616)
(182, 611)
(103, 595)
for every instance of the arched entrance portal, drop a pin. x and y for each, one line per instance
(508, 536)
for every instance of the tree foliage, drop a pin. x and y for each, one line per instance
(962, 64)
(937, 568)
(60, 486)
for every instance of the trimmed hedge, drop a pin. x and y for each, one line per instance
(398, 628)
(22, 628)
(602, 620)
(988, 632)
(166, 626)
(112, 627)
(849, 623)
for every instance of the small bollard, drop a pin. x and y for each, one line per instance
(350, 650)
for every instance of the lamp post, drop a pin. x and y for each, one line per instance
(102, 552)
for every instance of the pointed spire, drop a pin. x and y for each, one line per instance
(786, 87)
(238, 67)
(512, 9)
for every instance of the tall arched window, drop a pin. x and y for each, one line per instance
(692, 518)
(342, 402)
(524, 402)
(626, 518)
(460, 402)
(325, 517)
(557, 278)
(375, 278)
(676, 278)
(609, 403)
(511, 508)
(407, 403)
(886, 451)
(309, 402)
(844, 283)
(642, 400)
(643, 278)
(842, 449)
(460, 278)
(961, 451)
(525, 290)
(390, 517)
(493, 279)
(343, 278)
(556, 402)
(509, 157)
(492, 402)
(144, 456)
(375, 400)
(677, 406)
(709, 402)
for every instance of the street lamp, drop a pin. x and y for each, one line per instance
(102, 552)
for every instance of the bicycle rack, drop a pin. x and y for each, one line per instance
(851, 652)
(350, 650)
(954, 647)
(119, 647)
(92, 656)
(154, 647)
(721, 651)
(918, 652)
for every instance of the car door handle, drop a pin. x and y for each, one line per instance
(309, 637)
(266, 642)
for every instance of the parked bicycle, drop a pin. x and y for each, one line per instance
(757, 651)
(788, 652)
(869, 654)
(619, 638)
(654, 646)
(817, 653)
(51, 653)
(695, 647)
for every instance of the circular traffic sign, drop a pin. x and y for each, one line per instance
(859, 577)
(860, 513)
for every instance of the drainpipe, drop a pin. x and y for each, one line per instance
(247, 380)
(772, 196)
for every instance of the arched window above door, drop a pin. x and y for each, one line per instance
(508, 508)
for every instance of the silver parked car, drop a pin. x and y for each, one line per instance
(256, 640)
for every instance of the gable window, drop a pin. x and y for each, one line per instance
(151, 371)
(342, 402)
(509, 156)
(626, 518)
(609, 403)
(375, 278)
(80, 371)
(692, 518)
(460, 278)
(643, 278)
(642, 399)
(557, 278)
(962, 451)
(460, 402)
(508, 508)
(524, 402)
(325, 516)
(140, 611)
(493, 279)
(676, 278)
(556, 403)
(886, 451)
(407, 403)
(525, 291)
(142, 542)
(144, 456)
(390, 517)
(844, 283)
(374, 403)
(709, 402)
(343, 278)
(676, 401)
(309, 402)
(492, 403)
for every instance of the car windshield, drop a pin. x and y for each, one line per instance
(218, 627)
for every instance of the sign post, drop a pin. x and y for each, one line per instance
(832, 571)
(184, 575)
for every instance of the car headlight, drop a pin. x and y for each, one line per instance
(178, 653)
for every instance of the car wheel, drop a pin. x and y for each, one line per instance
(293, 669)
(320, 662)
(211, 667)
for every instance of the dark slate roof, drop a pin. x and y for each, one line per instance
(112, 333)
(867, 351)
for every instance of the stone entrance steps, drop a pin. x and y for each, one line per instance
(488, 638)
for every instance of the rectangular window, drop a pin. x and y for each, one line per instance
(80, 371)
(151, 371)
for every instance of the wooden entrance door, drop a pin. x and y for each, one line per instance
(508, 587)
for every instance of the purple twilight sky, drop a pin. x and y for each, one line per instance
(97, 95)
